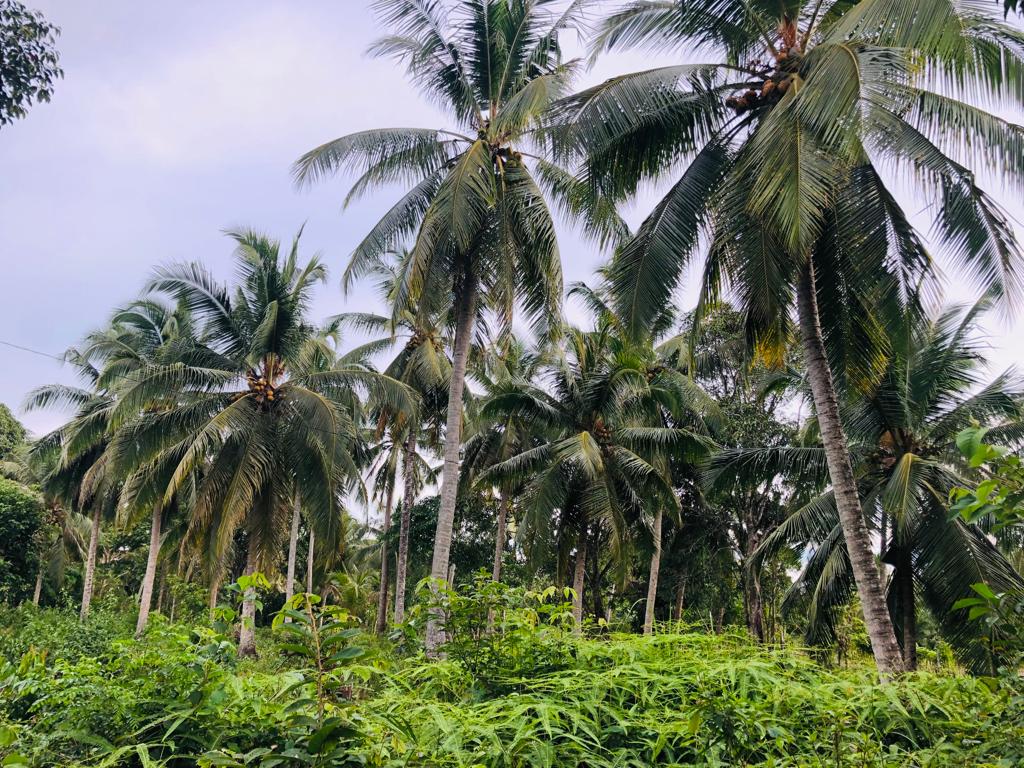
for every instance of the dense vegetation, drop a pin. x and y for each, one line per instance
(661, 537)
(528, 696)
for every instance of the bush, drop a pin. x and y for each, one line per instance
(58, 633)
(21, 516)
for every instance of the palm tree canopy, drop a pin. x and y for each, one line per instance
(259, 407)
(475, 202)
(784, 143)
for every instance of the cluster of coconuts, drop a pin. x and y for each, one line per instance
(602, 432)
(415, 340)
(777, 80)
(653, 371)
(265, 392)
(505, 155)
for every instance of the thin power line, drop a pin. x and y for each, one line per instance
(33, 351)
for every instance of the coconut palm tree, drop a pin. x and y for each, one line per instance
(903, 437)
(78, 470)
(422, 365)
(785, 136)
(599, 464)
(507, 365)
(672, 397)
(145, 332)
(476, 194)
(252, 425)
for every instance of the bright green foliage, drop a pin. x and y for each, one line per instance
(1001, 494)
(319, 731)
(21, 516)
(12, 433)
(505, 637)
(180, 696)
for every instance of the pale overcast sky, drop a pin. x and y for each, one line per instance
(177, 120)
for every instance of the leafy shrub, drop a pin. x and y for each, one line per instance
(21, 516)
(503, 636)
(59, 634)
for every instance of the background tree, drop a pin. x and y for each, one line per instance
(422, 365)
(21, 517)
(599, 459)
(752, 399)
(29, 62)
(248, 422)
(483, 231)
(12, 434)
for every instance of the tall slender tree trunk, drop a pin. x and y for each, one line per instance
(579, 574)
(596, 580)
(754, 604)
(293, 547)
(162, 593)
(466, 303)
(858, 542)
(90, 564)
(309, 560)
(247, 632)
(883, 543)
(385, 576)
(680, 597)
(38, 591)
(408, 500)
(652, 579)
(500, 537)
(214, 594)
(753, 598)
(905, 583)
(149, 578)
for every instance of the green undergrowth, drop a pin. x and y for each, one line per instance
(179, 697)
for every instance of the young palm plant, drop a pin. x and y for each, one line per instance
(903, 438)
(784, 136)
(250, 424)
(476, 196)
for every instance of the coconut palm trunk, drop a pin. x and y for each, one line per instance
(904, 576)
(452, 445)
(884, 647)
(408, 499)
(293, 546)
(149, 578)
(754, 604)
(578, 577)
(680, 598)
(309, 561)
(214, 595)
(90, 564)
(385, 576)
(247, 631)
(652, 580)
(38, 591)
(500, 537)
